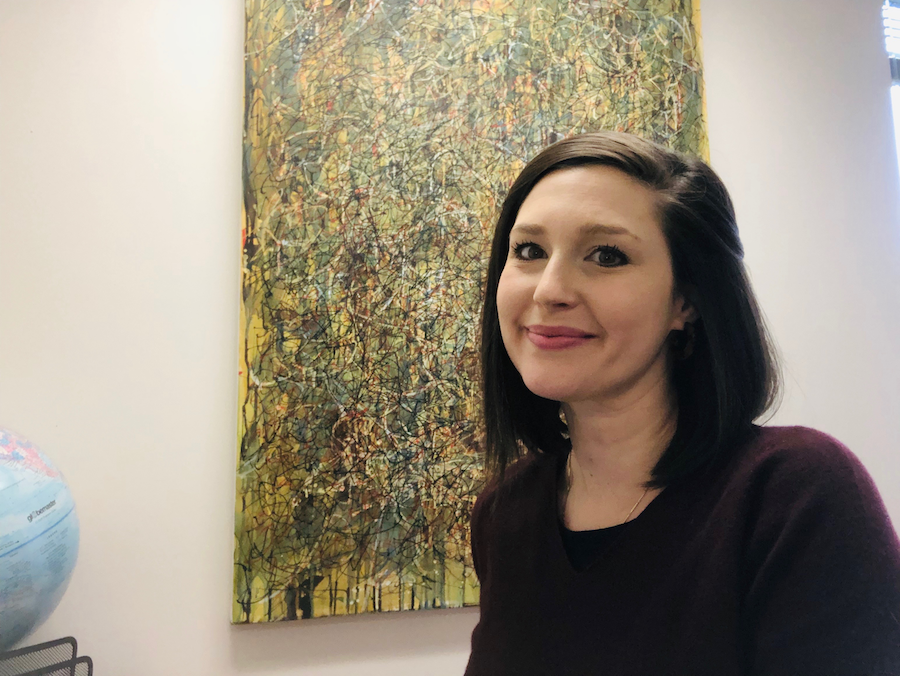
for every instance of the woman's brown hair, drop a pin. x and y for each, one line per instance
(728, 375)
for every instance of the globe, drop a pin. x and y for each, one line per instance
(38, 538)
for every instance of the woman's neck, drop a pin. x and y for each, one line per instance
(616, 445)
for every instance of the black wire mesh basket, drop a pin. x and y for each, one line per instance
(53, 658)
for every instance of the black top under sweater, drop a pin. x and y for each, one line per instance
(583, 547)
(780, 562)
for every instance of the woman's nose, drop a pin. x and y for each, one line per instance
(556, 285)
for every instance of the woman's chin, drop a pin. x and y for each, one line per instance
(551, 390)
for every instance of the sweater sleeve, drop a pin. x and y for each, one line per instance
(822, 566)
(478, 527)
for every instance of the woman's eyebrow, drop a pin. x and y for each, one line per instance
(584, 231)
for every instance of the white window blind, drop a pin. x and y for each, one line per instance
(891, 15)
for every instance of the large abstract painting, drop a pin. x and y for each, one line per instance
(380, 138)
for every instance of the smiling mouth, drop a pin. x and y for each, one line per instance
(557, 332)
(556, 337)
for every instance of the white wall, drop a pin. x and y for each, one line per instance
(119, 213)
(801, 131)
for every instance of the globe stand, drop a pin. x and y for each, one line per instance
(53, 658)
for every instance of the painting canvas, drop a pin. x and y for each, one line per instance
(380, 138)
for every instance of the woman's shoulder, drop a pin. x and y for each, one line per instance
(522, 480)
(797, 451)
(819, 558)
(787, 468)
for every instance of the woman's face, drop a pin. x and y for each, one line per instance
(586, 298)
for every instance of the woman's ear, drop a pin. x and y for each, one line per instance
(685, 309)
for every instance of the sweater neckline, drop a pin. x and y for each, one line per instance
(622, 533)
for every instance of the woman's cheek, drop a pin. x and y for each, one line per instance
(510, 294)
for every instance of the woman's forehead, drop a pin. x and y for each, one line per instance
(590, 200)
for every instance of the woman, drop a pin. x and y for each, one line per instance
(638, 521)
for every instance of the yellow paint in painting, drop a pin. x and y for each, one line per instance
(698, 31)
(337, 594)
(257, 590)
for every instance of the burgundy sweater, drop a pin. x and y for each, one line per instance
(782, 561)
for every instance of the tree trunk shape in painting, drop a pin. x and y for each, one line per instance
(380, 138)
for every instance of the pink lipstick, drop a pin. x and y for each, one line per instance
(556, 337)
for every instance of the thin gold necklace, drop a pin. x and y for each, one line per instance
(569, 488)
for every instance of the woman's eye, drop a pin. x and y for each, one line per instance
(527, 251)
(609, 256)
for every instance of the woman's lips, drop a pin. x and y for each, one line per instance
(556, 337)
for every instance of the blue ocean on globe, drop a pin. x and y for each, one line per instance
(38, 538)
